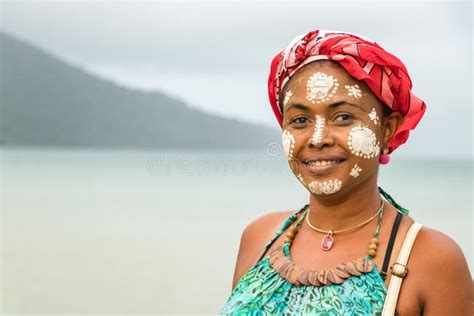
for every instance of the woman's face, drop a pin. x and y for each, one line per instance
(333, 128)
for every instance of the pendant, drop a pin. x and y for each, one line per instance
(327, 241)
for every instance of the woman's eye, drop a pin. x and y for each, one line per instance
(344, 118)
(300, 120)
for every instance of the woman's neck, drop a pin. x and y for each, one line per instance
(345, 211)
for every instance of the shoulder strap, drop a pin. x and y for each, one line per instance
(391, 242)
(280, 231)
(399, 271)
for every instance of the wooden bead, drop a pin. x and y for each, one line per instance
(352, 269)
(282, 269)
(294, 274)
(369, 264)
(288, 240)
(274, 256)
(323, 277)
(375, 241)
(372, 247)
(277, 261)
(293, 230)
(303, 277)
(280, 263)
(341, 271)
(289, 271)
(364, 265)
(372, 253)
(290, 235)
(334, 278)
(313, 278)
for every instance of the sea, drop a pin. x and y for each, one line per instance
(131, 232)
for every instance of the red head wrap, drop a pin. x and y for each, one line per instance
(364, 60)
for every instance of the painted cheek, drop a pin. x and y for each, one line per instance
(356, 170)
(326, 187)
(288, 142)
(363, 142)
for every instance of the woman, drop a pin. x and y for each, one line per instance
(344, 104)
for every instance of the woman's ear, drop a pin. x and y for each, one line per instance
(390, 125)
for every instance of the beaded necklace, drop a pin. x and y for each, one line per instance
(280, 261)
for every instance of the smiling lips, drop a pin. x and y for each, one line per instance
(320, 167)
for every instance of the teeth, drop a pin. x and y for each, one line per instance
(322, 162)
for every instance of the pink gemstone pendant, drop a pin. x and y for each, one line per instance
(327, 241)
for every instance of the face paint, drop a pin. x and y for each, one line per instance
(363, 143)
(374, 117)
(318, 130)
(353, 91)
(320, 87)
(355, 171)
(300, 177)
(288, 95)
(326, 187)
(288, 141)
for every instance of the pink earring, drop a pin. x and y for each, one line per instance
(384, 157)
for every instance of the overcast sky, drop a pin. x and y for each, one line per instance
(216, 56)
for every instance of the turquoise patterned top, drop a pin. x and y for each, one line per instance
(262, 291)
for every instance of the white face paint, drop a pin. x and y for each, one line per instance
(320, 87)
(363, 143)
(300, 177)
(318, 130)
(288, 142)
(288, 96)
(374, 117)
(325, 187)
(353, 91)
(355, 171)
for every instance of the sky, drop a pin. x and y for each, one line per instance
(216, 55)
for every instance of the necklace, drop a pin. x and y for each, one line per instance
(328, 240)
(281, 262)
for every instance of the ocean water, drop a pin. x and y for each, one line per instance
(148, 232)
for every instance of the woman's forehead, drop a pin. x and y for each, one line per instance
(330, 68)
(326, 82)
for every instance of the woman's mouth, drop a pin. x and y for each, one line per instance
(320, 167)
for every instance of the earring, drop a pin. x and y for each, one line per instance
(384, 157)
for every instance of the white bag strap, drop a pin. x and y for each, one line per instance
(399, 271)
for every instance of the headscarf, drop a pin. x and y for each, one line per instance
(364, 60)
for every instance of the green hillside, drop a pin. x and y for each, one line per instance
(46, 102)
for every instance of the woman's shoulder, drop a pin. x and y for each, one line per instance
(254, 238)
(267, 225)
(438, 267)
(260, 231)
(433, 249)
(437, 250)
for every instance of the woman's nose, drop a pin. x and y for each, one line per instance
(320, 136)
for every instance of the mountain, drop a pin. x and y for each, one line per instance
(47, 102)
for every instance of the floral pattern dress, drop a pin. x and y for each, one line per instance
(262, 291)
